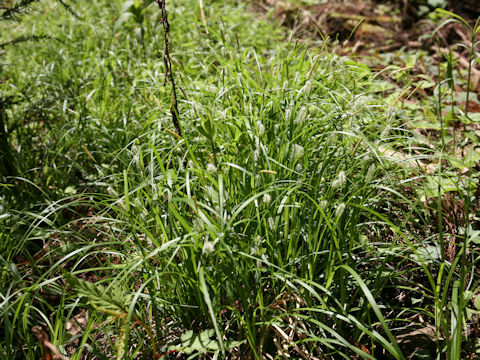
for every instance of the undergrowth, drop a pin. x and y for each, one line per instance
(294, 217)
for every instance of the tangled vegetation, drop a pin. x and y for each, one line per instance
(303, 206)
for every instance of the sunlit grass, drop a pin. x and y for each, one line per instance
(287, 220)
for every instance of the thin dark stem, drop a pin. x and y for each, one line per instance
(168, 68)
(8, 168)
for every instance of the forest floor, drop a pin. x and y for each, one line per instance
(383, 34)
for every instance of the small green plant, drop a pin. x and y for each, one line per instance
(452, 276)
(135, 11)
(473, 32)
(114, 303)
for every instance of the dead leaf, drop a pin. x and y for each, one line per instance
(76, 324)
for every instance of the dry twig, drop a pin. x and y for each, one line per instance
(168, 67)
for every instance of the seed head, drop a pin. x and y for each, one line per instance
(208, 247)
(297, 151)
(340, 209)
(261, 128)
(340, 181)
(111, 191)
(211, 167)
(323, 204)
(267, 198)
(271, 223)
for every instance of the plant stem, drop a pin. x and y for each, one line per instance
(168, 68)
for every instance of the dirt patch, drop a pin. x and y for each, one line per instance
(379, 25)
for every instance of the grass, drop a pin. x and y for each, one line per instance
(289, 218)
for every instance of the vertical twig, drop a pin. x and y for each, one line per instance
(202, 16)
(168, 68)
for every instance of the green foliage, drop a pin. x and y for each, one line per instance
(201, 343)
(135, 10)
(288, 218)
(16, 10)
(9, 13)
(111, 301)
